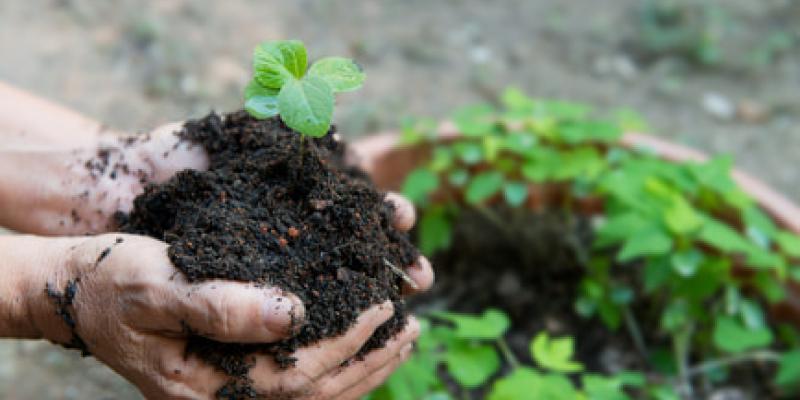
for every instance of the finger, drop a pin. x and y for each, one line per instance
(237, 312)
(404, 213)
(422, 274)
(331, 353)
(169, 153)
(370, 383)
(341, 379)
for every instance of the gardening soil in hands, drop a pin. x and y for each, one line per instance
(312, 226)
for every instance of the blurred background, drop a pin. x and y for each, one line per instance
(722, 76)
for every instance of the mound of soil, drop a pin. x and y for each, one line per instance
(272, 211)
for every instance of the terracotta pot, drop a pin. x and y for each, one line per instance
(388, 164)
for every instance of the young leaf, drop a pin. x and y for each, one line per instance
(261, 102)
(789, 243)
(680, 217)
(483, 186)
(599, 387)
(515, 193)
(649, 242)
(491, 325)
(435, 232)
(419, 184)
(341, 74)
(723, 237)
(471, 365)
(522, 384)
(306, 105)
(277, 62)
(476, 120)
(732, 337)
(554, 354)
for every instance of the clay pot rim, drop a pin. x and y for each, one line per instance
(370, 150)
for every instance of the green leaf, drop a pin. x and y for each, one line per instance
(491, 325)
(341, 74)
(619, 227)
(685, 263)
(475, 120)
(515, 193)
(752, 314)
(277, 62)
(554, 354)
(598, 387)
(582, 131)
(788, 375)
(789, 243)
(435, 231)
(483, 186)
(723, 237)
(680, 217)
(522, 384)
(307, 105)
(732, 337)
(419, 184)
(471, 365)
(650, 242)
(470, 153)
(261, 102)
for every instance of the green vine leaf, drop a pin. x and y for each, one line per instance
(306, 105)
(277, 62)
(788, 375)
(260, 101)
(733, 337)
(647, 243)
(471, 365)
(341, 74)
(554, 354)
(483, 186)
(491, 325)
(419, 184)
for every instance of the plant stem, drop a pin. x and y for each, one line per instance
(302, 150)
(681, 342)
(636, 333)
(507, 353)
(760, 355)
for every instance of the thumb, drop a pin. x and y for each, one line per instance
(238, 312)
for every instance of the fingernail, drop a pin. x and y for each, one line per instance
(282, 313)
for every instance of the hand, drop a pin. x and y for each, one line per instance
(129, 306)
(69, 192)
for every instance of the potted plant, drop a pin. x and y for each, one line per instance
(576, 261)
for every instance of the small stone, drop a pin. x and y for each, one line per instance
(752, 112)
(718, 106)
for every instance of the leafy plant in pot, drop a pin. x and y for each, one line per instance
(279, 206)
(672, 264)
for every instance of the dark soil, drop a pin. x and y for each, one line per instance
(312, 226)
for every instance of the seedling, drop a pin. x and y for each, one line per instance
(303, 97)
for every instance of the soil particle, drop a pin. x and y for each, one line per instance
(268, 213)
(63, 301)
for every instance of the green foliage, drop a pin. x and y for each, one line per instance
(680, 237)
(468, 347)
(554, 354)
(303, 99)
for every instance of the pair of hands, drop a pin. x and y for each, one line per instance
(130, 303)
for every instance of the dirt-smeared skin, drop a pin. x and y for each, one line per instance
(313, 227)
